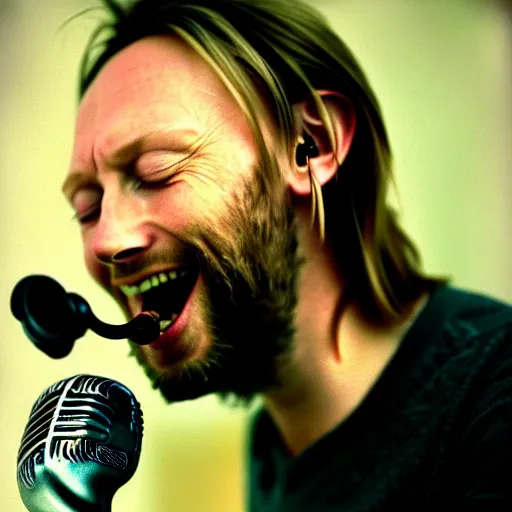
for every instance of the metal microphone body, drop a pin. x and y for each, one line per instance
(81, 443)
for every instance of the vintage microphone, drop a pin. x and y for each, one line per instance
(54, 319)
(81, 443)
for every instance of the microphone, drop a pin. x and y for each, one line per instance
(81, 443)
(54, 319)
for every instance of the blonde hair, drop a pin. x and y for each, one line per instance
(284, 51)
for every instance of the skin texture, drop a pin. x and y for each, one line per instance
(209, 212)
(267, 314)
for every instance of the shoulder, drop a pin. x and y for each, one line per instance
(460, 331)
(472, 309)
(486, 433)
(483, 323)
(467, 366)
(479, 311)
(468, 320)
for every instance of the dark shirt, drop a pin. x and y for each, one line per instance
(433, 434)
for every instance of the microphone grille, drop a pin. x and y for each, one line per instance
(80, 419)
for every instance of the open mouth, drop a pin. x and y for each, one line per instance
(166, 293)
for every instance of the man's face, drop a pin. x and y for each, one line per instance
(166, 181)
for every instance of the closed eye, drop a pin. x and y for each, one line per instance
(155, 169)
(156, 177)
(87, 204)
(88, 216)
(154, 182)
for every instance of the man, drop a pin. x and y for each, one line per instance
(230, 171)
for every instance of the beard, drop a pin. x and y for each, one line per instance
(249, 260)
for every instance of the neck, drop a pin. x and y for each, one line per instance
(338, 357)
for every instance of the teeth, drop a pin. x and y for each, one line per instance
(164, 324)
(145, 286)
(152, 282)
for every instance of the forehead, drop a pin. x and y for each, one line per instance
(155, 82)
(157, 64)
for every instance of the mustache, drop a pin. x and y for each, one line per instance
(175, 256)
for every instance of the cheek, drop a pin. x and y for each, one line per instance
(171, 209)
(96, 269)
(188, 204)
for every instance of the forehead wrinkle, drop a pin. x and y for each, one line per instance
(122, 148)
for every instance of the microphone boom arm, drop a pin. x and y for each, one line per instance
(54, 319)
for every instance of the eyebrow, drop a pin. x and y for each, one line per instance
(173, 140)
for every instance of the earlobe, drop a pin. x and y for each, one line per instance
(331, 140)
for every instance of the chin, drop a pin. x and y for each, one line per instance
(187, 379)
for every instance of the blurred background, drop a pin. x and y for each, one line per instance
(442, 73)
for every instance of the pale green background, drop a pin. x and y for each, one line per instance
(441, 70)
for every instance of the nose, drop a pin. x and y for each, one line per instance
(120, 234)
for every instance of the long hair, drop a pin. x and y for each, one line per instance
(284, 51)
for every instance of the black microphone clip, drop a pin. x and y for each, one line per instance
(54, 319)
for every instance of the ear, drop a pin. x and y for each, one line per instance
(343, 121)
